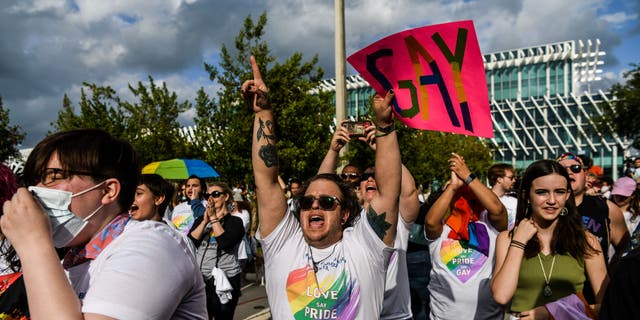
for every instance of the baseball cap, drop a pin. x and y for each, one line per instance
(624, 187)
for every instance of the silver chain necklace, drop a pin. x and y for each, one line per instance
(547, 287)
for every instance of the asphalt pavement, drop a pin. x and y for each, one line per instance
(253, 301)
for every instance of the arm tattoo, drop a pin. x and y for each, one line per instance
(378, 222)
(268, 151)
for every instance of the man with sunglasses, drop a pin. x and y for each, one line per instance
(328, 259)
(599, 216)
(397, 296)
(82, 183)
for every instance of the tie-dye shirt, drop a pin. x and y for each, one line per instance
(350, 277)
(460, 286)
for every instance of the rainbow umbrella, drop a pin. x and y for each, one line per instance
(180, 169)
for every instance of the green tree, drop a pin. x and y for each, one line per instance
(99, 110)
(624, 118)
(152, 123)
(302, 119)
(10, 136)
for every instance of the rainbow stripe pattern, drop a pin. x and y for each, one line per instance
(335, 297)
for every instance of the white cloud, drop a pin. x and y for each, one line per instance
(50, 47)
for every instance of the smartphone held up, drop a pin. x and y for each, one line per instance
(356, 128)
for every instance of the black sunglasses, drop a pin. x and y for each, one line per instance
(349, 176)
(325, 202)
(366, 176)
(575, 168)
(216, 194)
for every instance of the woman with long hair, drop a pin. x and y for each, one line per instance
(544, 259)
(217, 235)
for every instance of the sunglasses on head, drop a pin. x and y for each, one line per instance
(325, 202)
(216, 194)
(575, 168)
(366, 176)
(345, 176)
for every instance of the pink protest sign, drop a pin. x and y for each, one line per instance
(437, 74)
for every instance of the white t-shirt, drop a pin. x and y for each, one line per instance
(631, 223)
(350, 280)
(182, 216)
(460, 286)
(511, 204)
(148, 272)
(397, 296)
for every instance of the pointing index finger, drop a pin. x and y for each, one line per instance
(257, 77)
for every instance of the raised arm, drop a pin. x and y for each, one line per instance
(497, 212)
(409, 204)
(433, 221)
(272, 204)
(508, 260)
(339, 140)
(383, 211)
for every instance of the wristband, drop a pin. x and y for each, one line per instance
(383, 131)
(517, 244)
(215, 220)
(470, 178)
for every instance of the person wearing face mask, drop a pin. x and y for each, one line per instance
(81, 184)
(217, 235)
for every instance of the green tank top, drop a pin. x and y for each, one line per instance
(567, 277)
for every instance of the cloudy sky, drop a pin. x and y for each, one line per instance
(50, 47)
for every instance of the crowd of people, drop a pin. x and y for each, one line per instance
(90, 237)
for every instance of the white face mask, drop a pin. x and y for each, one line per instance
(65, 225)
(604, 189)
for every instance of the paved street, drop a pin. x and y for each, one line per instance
(253, 302)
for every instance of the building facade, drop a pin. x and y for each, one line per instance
(541, 102)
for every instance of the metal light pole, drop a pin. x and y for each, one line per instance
(340, 60)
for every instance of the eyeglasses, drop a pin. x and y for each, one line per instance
(215, 194)
(366, 176)
(325, 202)
(575, 168)
(510, 177)
(51, 175)
(346, 176)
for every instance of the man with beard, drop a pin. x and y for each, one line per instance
(502, 177)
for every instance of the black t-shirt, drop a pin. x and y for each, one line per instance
(622, 298)
(595, 218)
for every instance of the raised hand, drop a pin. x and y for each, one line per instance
(340, 137)
(525, 230)
(256, 91)
(458, 166)
(370, 137)
(383, 109)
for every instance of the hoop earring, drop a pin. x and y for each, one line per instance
(564, 211)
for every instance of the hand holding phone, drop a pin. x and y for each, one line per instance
(356, 128)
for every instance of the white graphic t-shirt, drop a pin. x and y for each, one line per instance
(350, 277)
(397, 296)
(460, 286)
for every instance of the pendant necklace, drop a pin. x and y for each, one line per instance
(547, 287)
(315, 263)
